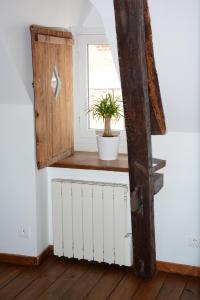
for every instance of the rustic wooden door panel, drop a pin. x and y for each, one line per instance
(42, 134)
(52, 57)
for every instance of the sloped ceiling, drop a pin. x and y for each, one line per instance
(63, 13)
(90, 17)
(12, 89)
(15, 19)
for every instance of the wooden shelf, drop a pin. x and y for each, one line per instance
(91, 161)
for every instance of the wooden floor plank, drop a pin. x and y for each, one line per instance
(70, 279)
(127, 287)
(192, 289)
(172, 287)
(14, 287)
(65, 281)
(86, 282)
(106, 284)
(8, 273)
(38, 286)
(150, 288)
(3, 267)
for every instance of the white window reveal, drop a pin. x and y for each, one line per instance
(96, 76)
(102, 79)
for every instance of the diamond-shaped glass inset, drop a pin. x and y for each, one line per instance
(55, 82)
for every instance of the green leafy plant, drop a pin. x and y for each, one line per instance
(107, 107)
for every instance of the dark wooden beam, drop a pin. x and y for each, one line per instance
(156, 109)
(157, 182)
(143, 116)
(158, 164)
(130, 27)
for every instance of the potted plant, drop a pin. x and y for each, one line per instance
(107, 108)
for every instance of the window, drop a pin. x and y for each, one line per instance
(96, 75)
(102, 78)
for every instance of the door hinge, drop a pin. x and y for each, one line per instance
(35, 82)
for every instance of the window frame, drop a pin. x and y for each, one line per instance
(85, 137)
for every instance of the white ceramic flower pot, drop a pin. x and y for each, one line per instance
(108, 147)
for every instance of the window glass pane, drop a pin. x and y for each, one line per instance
(103, 78)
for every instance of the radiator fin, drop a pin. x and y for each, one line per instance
(87, 194)
(67, 219)
(57, 213)
(98, 223)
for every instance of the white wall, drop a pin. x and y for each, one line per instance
(9, 78)
(177, 205)
(17, 163)
(89, 18)
(42, 210)
(176, 36)
(17, 184)
(23, 194)
(176, 39)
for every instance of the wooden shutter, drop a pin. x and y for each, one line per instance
(52, 82)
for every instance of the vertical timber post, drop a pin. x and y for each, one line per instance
(130, 27)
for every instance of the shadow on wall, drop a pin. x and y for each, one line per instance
(15, 34)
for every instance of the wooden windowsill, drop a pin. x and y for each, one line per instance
(91, 161)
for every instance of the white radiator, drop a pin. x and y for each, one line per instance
(89, 221)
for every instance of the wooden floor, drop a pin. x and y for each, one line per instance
(71, 279)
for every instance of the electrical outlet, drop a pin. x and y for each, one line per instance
(194, 242)
(24, 232)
